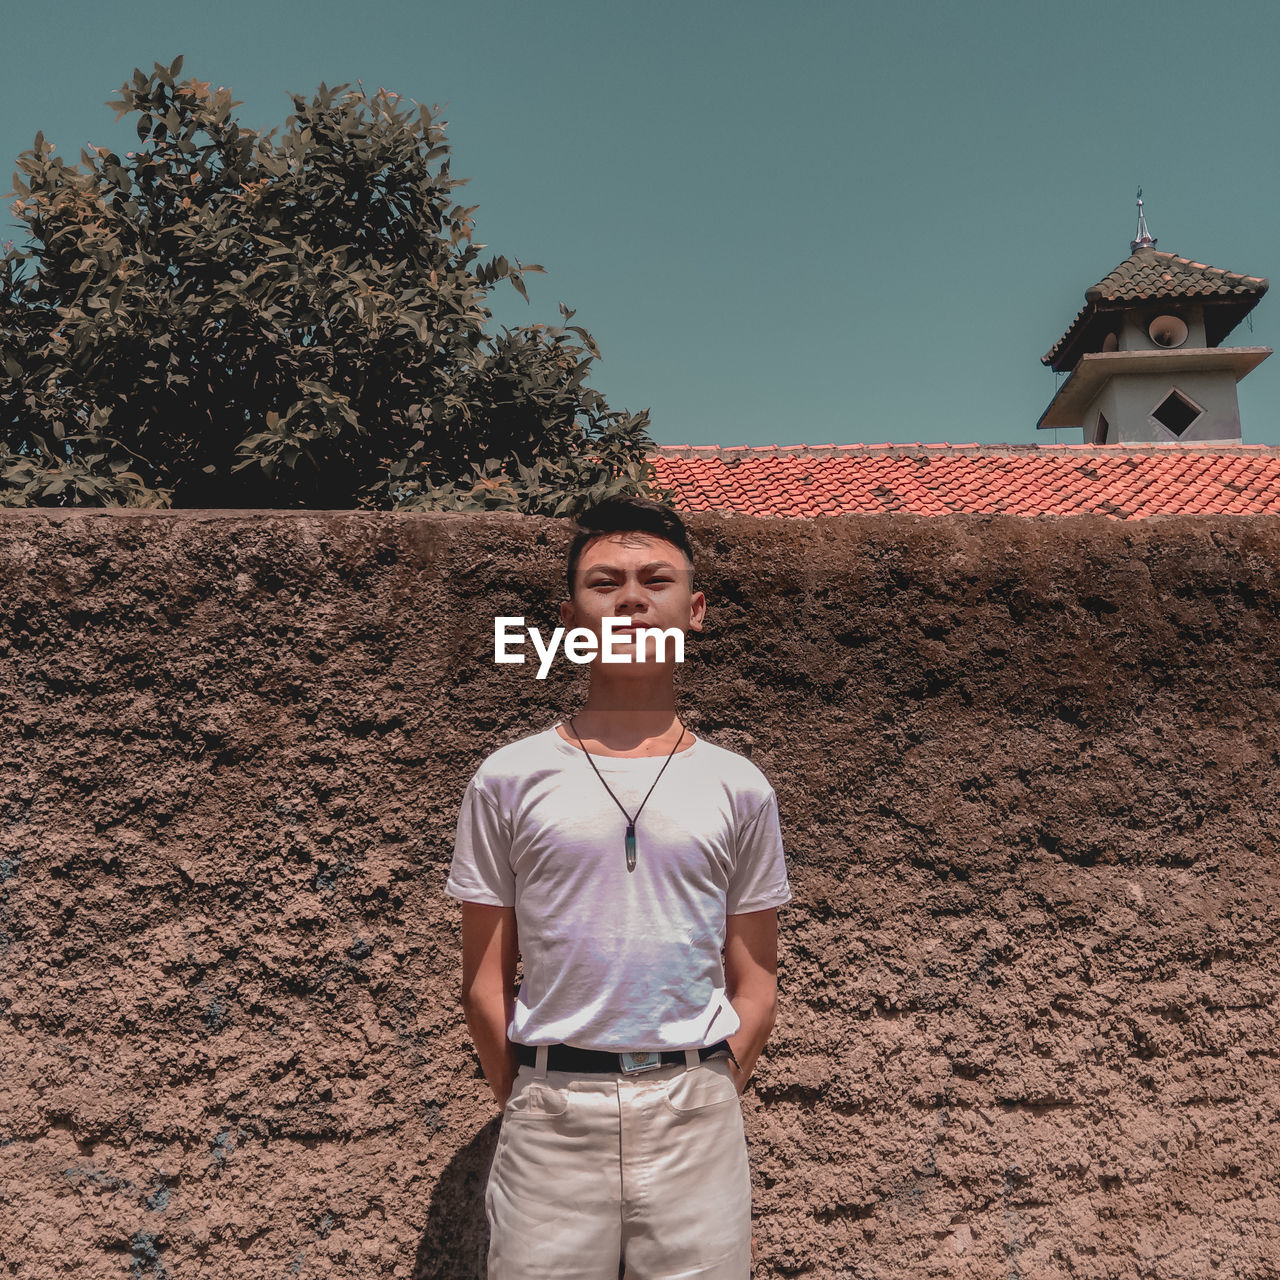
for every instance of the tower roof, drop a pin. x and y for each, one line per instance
(1148, 275)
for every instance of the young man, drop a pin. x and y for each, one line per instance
(617, 854)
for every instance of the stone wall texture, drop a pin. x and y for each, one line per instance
(1028, 780)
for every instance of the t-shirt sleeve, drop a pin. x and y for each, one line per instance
(759, 877)
(481, 870)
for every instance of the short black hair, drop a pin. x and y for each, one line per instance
(625, 515)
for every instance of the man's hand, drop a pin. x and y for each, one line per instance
(751, 980)
(489, 951)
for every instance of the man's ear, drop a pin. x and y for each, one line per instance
(697, 610)
(568, 613)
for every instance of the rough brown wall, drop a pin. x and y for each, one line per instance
(1027, 771)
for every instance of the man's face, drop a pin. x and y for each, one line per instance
(640, 577)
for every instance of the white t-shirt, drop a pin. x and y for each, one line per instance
(614, 959)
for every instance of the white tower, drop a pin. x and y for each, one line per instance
(1143, 356)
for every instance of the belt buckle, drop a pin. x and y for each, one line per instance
(633, 1062)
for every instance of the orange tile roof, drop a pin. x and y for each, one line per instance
(1121, 481)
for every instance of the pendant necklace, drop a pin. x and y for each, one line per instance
(631, 822)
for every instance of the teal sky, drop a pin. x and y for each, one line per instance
(792, 223)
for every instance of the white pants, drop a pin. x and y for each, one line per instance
(595, 1168)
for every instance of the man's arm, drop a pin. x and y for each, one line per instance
(751, 980)
(489, 948)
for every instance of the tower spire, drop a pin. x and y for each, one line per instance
(1144, 239)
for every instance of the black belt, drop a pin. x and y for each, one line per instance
(565, 1057)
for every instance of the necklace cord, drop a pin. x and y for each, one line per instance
(631, 822)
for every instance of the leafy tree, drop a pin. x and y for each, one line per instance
(228, 318)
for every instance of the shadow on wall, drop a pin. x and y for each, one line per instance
(456, 1239)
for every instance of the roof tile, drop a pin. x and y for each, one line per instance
(1120, 481)
(1150, 274)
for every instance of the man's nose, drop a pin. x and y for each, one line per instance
(631, 598)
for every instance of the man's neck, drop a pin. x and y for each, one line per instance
(637, 718)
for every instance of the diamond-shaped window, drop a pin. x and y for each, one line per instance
(1176, 412)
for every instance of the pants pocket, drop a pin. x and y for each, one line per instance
(701, 1087)
(534, 1099)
